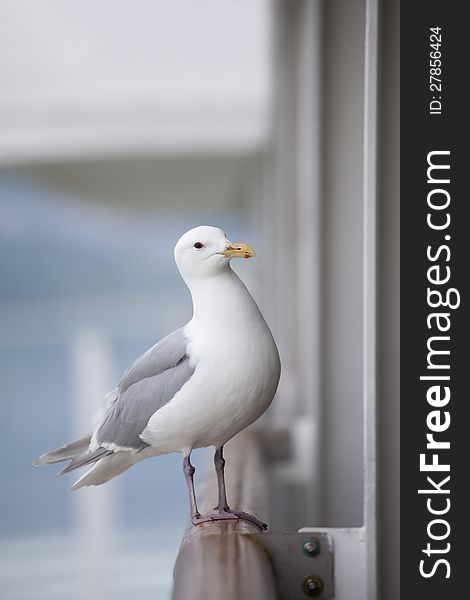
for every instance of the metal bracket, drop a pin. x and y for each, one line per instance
(302, 563)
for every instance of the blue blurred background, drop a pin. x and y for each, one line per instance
(85, 290)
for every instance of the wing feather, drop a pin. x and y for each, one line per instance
(150, 383)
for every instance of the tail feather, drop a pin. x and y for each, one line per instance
(85, 459)
(67, 452)
(107, 468)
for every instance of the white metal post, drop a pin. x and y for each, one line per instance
(94, 508)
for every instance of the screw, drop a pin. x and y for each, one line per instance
(311, 547)
(312, 585)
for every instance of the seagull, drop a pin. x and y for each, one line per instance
(197, 387)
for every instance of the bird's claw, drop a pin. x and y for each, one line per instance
(228, 515)
(198, 519)
(251, 518)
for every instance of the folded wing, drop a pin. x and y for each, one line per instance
(149, 383)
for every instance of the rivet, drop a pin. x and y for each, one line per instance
(312, 585)
(311, 547)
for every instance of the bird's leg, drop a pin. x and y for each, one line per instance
(224, 513)
(196, 516)
(222, 505)
(219, 462)
(189, 476)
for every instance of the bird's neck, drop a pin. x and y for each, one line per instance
(218, 299)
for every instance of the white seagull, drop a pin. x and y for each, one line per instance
(197, 387)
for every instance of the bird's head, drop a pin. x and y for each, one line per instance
(205, 251)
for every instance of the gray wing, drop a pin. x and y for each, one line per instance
(150, 383)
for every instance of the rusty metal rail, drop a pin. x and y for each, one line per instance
(218, 561)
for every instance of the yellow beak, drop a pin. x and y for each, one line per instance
(240, 250)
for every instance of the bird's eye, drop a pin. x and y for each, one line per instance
(198, 245)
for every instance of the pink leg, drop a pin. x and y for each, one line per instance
(222, 512)
(223, 507)
(189, 476)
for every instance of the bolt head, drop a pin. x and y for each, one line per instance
(312, 585)
(311, 547)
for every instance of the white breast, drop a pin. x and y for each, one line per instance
(236, 372)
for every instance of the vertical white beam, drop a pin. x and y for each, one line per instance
(343, 265)
(308, 239)
(292, 215)
(94, 506)
(370, 293)
(282, 209)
